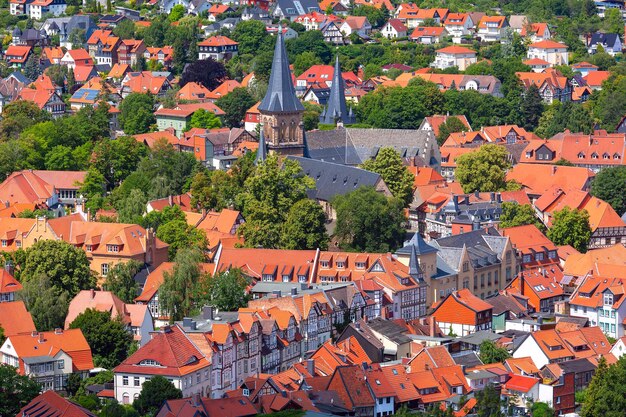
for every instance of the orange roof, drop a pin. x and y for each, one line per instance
(151, 138)
(520, 383)
(15, 319)
(174, 352)
(193, 91)
(454, 50)
(590, 291)
(379, 4)
(35, 186)
(8, 283)
(436, 121)
(97, 300)
(538, 29)
(536, 62)
(425, 176)
(146, 82)
(500, 20)
(537, 178)
(460, 307)
(254, 262)
(17, 54)
(225, 88)
(119, 70)
(547, 44)
(186, 110)
(52, 53)
(218, 40)
(69, 341)
(528, 238)
(580, 264)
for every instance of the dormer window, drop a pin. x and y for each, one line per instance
(113, 248)
(301, 278)
(581, 155)
(377, 268)
(267, 278)
(606, 156)
(594, 156)
(4, 243)
(616, 156)
(88, 248)
(360, 265)
(608, 299)
(341, 264)
(149, 362)
(324, 264)
(286, 278)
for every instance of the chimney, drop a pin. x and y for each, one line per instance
(294, 291)
(477, 194)
(170, 200)
(277, 293)
(357, 325)
(34, 333)
(554, 167)
(207, 312)
(310, 366)
(492, 197)
(58, 331)
(186, 321)
(8, 266)
(432, 326)
(41, 338)
(93, 293)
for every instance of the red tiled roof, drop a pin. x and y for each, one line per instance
(69, 341)
(520, 383)
(218, 40)
(52, 404)
(15, 319)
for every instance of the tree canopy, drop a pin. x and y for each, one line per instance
(178, 291)
(235, 104)
(610, 185)
(491, 353)
(136, 113)
(15, 390)
(120, 280)
(570, 227)
(514, 214)
(483, 170)
(154, 393)
(227, 290)
(368, 221)
(108, 339)
(396, 175)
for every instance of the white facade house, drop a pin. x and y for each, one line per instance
(459, 25)
(552, 52)
(38, 8)
(454, 56)
(603, 305)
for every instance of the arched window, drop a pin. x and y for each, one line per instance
(125, 398)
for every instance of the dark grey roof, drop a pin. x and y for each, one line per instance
(467, 358)
(502, 303)
(469, 239)
(420, 245)
(608, 39)
(261, 153)
(334, 179)
(20, 77)
(389, 329)
(479, 337)
(355, 146)
(336, 109)
(577, 366)
(443, 268)
(281, 94)
(322, 95)
(294, 8)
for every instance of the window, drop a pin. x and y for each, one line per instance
(61, 364)
(105, 269)
(465, 266)
(136, 381)
(125, 380)
(4, 243)
(608, 299)
(113, 248)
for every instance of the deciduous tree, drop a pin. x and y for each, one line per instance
(570, 227)
(176, 294)
(235, 104)
(15, 390)
(108, 339)
(305, 227)
(514, 214)
(227, 290)
(368, 221)
(610, 185)
(204, 120)
(396, 175)
(483, 170)
(154, 393)
(121, 280)
(207, 72)
(136, 113)
(491, 353)
(46, 304)
(178, 234)
(452, 125)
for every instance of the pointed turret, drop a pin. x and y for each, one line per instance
(414, 266)
(261, 153)
(281, 94)
(336, 110)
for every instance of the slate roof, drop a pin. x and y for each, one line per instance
(281, 94)
(355, 146)
(336, 109)
(608, 39)
(421, 247)
(334, 179)
(391, 330)
(293, 8)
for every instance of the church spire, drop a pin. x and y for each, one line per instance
(281, 94)
(336, 107)
(414, 267)
(261, 153)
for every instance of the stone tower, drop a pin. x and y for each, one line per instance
(281, 111)
(336, 109)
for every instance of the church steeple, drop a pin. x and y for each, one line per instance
(261, 153)
(281, 111)
(336, 110)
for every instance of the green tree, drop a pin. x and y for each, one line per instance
(483, 170)
(396, 175)
(235, 104)
(610, 185)
(491, 353)
(2, 336)
(309, 41)
(117, 159)
(66, 265)
(204, 120)
(570, 227)
(108, 339)
(311, 115)
(178, 234)
(561, 116)
(368, 221)
(376, 17)
(304, 61)
(19, 115)
(15, 390)
(608, 103)
(154, 393)
(531, 107)
(305, 227)
(46, 304)
(136, 113)
(606, 394)
(32, 69)
(176, 294)
(251, 36)
(132, 208)
(541, 409)
(514, 214)
(452, 125)
(268, 195)
(125, 29)
(227, 290)
(93, 189)
(488, 402)
(156, 218)
(177, 12)
(120, 280)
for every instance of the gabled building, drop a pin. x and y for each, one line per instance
(459, 25)
(554, 53)
(610, 43)
(601, 301)
(130, 51)
(537, 32)
(491, 28)
(15, 319)
(171, 354)
(9, 286)
(218, 47)
(49, 357)
(179, 117)
(146, 82)
(356, 24)
(50, 403)
(206, 407)
(76, 57)
(541, 286)
(428, 35)
(136, 318)
(551, 83)
(290, 9)
(16, 56)
(38, 8)
(394, 28)
(462, 313)
(103, 47)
